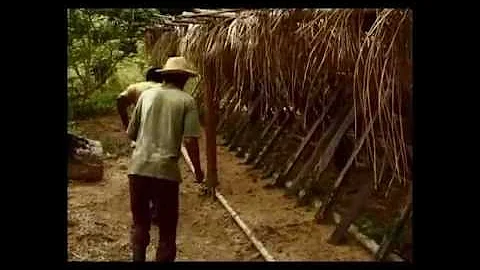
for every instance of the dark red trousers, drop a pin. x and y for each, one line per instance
(164, 196)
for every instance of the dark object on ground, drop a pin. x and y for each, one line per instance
(84, 159)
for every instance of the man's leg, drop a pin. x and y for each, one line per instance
(140, 195)
(166, 204)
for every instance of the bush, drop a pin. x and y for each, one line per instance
(103, 101)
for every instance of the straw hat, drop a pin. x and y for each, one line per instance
(176, 65)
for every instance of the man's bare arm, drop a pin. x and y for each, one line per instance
(122, 106)
(191, 144)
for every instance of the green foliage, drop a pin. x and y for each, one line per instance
(104, 100)
(99, 41)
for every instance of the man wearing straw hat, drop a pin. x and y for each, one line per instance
(163, 118)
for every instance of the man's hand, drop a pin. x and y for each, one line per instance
(199, 176)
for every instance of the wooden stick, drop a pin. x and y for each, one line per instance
(234, 214)
(211, 136)
(239, 133)
(370, 244)
(229, 135)
(244, 227)
(386, 245)
(327, 155)
(277, 132)
(256, 144)
(358, 203)
(228, 111)
(278, 180)
(324, 211)
(295, 185)
(226, 108)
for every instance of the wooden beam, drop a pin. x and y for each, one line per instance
(250, 156)
(243, 126)
(222, 13)
(358, 203)
(386, 245)
(279, 179)
(228, 107)
(370, 244)
(232, 212)
(198, 20)
(229, 135)
(229, 110)
(211, 147)
(325, 210)
(174, 23)
(295, 185)
(327, 155)
(270, 142)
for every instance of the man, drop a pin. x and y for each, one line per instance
(130, 96)
(163, 117)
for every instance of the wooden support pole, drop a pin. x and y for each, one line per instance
(256, 144)
(225, 107)
(386, 245)
(325, 210)
(224, 102)
(227, 136)
(327, 155)
(358, 203)
(229, 107)
(233, 213)
(270, 142)
(279, 179)
(295, 185)
(244, 125)
(211, 123)
(326, 207)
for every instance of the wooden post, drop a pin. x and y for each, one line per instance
(270, 142)
(325, 210)
(294, 186)
(327, 155)
(227, 136)
(279, 179)
(228, 108)
(211, 123)
(256, 144)
(358, 203)
(386, 244)
(244, 125)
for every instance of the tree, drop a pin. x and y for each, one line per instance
(98, 39)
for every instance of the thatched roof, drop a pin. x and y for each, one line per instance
(298, 57)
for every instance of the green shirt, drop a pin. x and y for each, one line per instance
(163, 115)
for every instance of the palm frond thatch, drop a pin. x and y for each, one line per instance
(298, 58)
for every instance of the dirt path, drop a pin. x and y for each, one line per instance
(99, 215)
